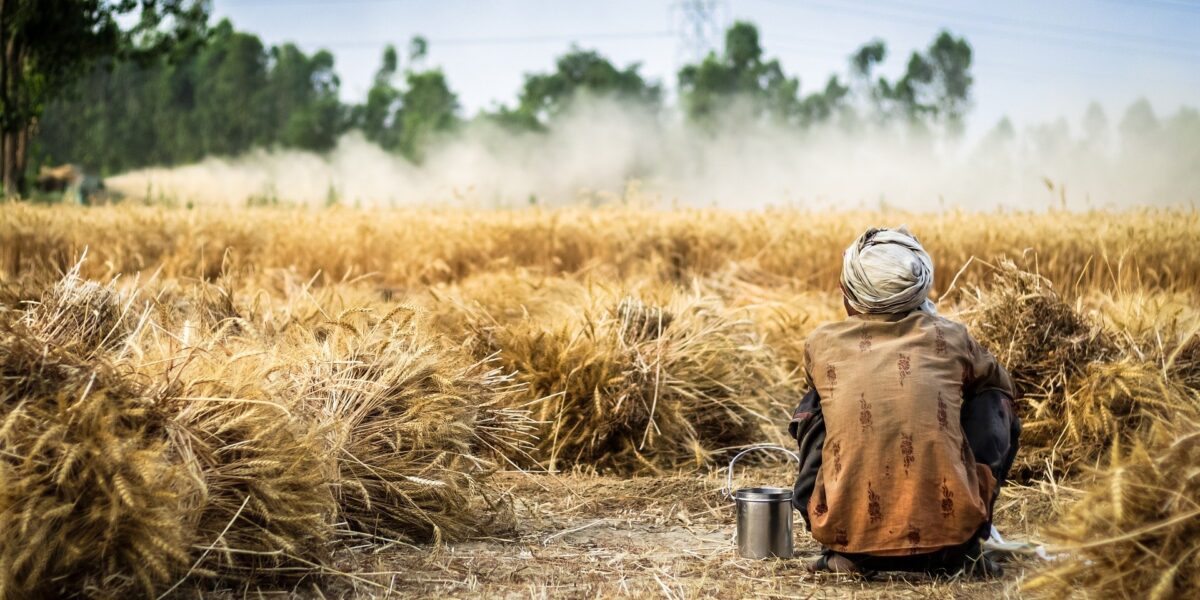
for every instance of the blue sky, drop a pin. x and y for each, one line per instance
(1035, 61)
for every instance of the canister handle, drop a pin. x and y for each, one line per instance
(728, 490)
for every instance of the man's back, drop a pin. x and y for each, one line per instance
(896, 467)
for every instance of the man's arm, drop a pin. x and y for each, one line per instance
(808, 429)
(983, 373)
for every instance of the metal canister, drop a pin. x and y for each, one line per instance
(764, 522)
(764, 516)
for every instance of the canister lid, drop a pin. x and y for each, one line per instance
(764, 493)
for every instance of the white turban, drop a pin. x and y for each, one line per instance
(887, 271)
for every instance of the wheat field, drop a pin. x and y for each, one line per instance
(530, 403)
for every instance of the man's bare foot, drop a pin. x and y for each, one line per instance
(833, 563)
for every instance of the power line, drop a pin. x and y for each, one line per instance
(1174, 5)
(1176, 51)
(467, 41)
(1025, 24)
(822, 47)
(504, 40)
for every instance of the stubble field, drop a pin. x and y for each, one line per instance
(538, 403)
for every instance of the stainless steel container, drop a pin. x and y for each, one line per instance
(764, 515)
(764, 522)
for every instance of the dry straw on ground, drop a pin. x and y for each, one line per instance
(264, 393)
(87, 499)
(621, 384)
(133, 460)
(1137, 532)
(1083, 383)
(411, 431)
(261, 504)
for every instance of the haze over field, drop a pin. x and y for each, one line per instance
(600, 149)
(365, 299)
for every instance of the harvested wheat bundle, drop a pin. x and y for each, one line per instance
(783, 314)
(261, 505)
(1108, 399)
(85, 313)
(89, 505)
(1136, 534)
(632, 387)
(1039, 337)
(257, 504)
(501, 298)
(409, 428)
(786, 318)
(1060, 361)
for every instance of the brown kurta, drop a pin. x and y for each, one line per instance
(897, 475)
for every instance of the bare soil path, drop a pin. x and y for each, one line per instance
(583, 536)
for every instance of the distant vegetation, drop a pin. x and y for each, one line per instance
(221, 91)
(118, 86)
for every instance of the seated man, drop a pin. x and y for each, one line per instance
(908, 430)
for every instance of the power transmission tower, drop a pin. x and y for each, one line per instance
(699, 24)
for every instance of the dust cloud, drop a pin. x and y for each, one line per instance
(601, 151)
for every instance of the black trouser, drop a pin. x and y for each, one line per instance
(993, 431)
(945, 561)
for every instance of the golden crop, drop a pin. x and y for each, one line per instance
(235, 393)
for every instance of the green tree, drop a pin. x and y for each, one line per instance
(867, 57)
(231, 71)
(49, 44)
(936, 84)
(223, 93)
(578, 72)
(426, 107)
(822, 106)
(862, 67)
(375, 117)
(403, 119)
(739, 73)
(302, 96)
(951, 59)
(418, 48)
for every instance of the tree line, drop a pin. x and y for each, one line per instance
(173, 89)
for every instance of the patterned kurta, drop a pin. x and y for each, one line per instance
(897, 475)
